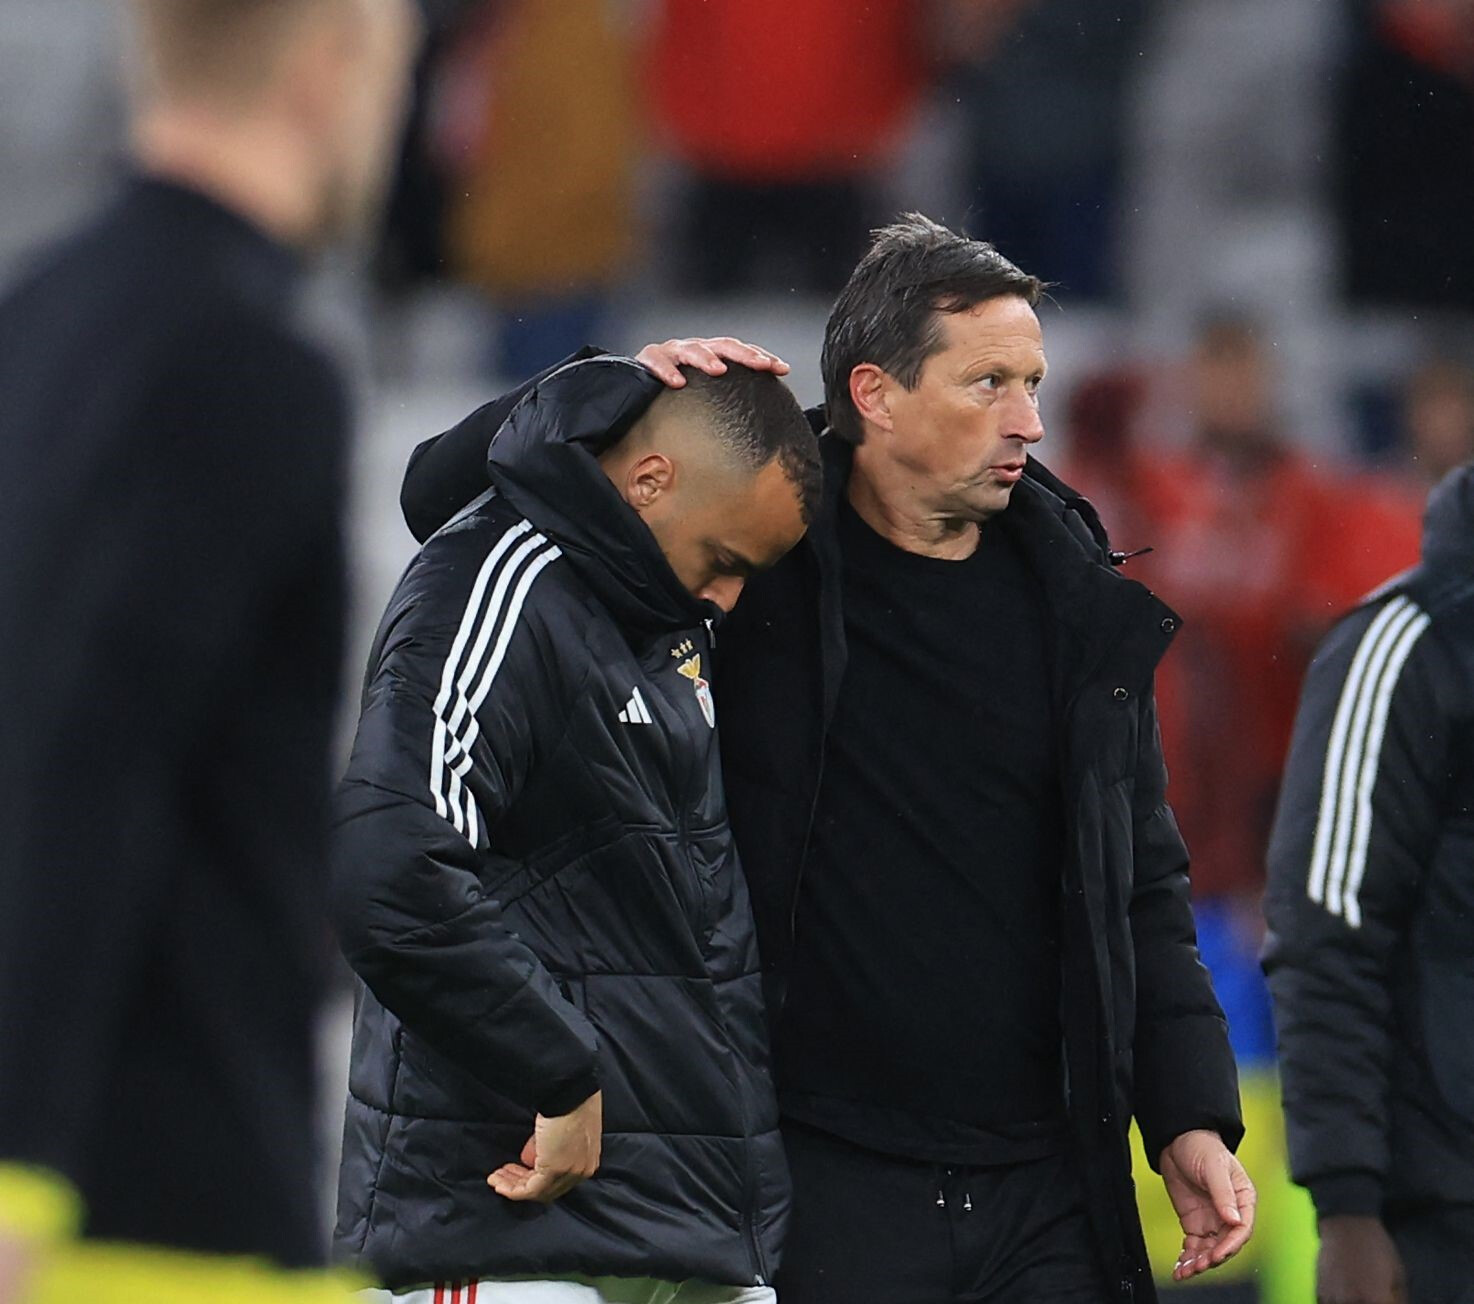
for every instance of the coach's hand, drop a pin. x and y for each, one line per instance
(1358, 1264)
(561, 1153)
(711, 356)
(1214, 1199)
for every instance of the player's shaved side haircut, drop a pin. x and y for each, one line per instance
(216, 48)
(889, 312)
(756, 418)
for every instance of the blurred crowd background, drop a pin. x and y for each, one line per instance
(1256, 216)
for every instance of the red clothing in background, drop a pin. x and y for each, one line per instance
(768, 90)
(1259, 564)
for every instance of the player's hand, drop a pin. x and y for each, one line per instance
(1358, 1263)
(1214, 1199)
(560, 1154)
(17, 1261)
(711, 356)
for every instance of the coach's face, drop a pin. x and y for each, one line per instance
(956, 442)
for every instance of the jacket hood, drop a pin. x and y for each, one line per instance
(1448, 521)
(544, 461)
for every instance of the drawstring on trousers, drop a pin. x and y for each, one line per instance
(942, 1195)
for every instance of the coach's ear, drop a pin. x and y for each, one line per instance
(871, 388)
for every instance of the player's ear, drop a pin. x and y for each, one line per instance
(647, 478)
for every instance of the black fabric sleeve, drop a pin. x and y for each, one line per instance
(1185, 1073)
(447, 471)
(432, 771)
(1358, 820)
(228, 483)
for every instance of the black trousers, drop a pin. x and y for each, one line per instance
(872, 1229)
(1437, 1249)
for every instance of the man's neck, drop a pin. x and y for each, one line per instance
(910, 525)
(252, 168)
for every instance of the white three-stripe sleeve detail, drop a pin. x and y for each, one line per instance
(474, 822)
(448, 675)
(497, 614)
(534, 569)
(1331, 784)
(1362, 833)
(495, 606)
(1356, 755)
(483, 618)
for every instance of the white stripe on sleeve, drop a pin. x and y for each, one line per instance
(508, 572)
(1353, 754)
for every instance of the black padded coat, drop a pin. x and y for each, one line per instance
(536, 883)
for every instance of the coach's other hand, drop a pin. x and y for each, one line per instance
(1214, 1199)
(709, 355)
(560, 1154)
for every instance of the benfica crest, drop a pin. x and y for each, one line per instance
(691, 668)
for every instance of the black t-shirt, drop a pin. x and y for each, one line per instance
(923, 1010)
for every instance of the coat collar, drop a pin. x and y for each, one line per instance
(1102, 618)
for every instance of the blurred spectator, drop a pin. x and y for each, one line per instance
(1406, 153)
(1135, 489)
(1263, 549)
(782, 112)
(412, 243)
(1438, 419)
(536, 128)
(1043, 88)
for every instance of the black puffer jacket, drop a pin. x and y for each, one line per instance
(1371, 891)
(536, 881)
(1144, 1033)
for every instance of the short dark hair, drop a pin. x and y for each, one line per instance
(757, 419)
(887, 314)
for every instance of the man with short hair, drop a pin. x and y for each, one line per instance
(971, 896)
(534, 874)
(171, 450)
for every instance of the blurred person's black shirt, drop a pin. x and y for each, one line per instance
(939, 807)
(171, 594)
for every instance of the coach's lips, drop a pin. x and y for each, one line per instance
(1010, 471)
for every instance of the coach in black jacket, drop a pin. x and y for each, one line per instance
(947, 786)
(534, 872)
(1370, 906)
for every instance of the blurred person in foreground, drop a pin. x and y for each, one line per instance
(940, 747)
(171, 453)
(534, 875)
(1369, 952)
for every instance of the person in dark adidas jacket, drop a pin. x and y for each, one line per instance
(534, 875)
(1370, 953)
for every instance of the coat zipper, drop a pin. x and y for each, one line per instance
(749, 1175)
